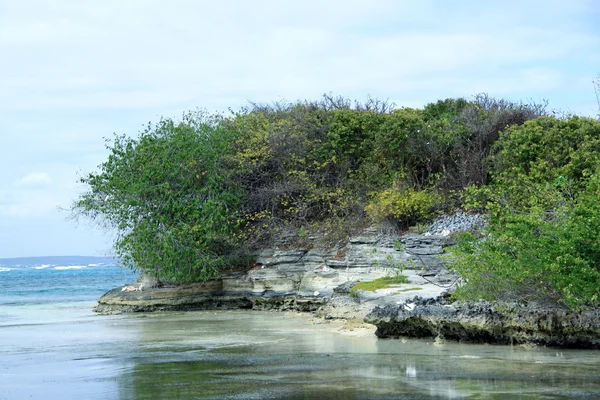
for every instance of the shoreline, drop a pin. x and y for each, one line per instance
(432, 318)
(213, 354)
(320, 282)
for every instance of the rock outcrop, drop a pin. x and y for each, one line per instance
(302, 279)
(320, 281)
(485, 322)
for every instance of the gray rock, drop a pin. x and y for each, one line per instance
(325, 271)
(148, 281)
(336, 263)
(459, 222)
(313, 259)
(186, 297)
(366, 239)
(359, 263)
(282, 257)
(345, 287)
(320, 280)
(489, 323)
(296, 273)
(425, 250)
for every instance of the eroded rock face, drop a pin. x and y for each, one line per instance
(301, 279)
(185, 297)
(320, 280)
(485, 322)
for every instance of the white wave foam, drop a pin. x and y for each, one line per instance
(43, 266)
(64, 267)
(4, 269)
(95, 265)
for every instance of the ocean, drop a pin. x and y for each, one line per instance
(53, 280)
(53, 346)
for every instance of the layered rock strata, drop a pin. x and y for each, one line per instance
(318, 280)
(301, 279)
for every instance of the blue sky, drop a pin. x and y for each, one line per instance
(74, 72)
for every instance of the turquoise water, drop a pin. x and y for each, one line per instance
(58, 279)
(52, 346)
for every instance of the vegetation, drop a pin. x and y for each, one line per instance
(168, 196)
(193, 197)
(380, 283)
(542, 241)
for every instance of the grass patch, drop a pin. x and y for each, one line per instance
(380, 283)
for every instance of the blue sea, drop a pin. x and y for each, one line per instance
(45, 283)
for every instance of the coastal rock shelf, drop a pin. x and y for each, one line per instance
(485, 322)
(320, 281)
(301, 279)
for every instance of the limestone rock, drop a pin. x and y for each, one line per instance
(298, 278)
(365, 239)
(489, 323)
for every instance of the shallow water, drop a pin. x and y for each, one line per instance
(70, 353)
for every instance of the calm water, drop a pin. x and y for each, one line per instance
(52, 346)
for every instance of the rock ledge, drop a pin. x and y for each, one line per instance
(485, 322)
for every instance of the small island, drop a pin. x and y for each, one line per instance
(465, 220)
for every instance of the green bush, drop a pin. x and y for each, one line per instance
(541, 244)
(188, 198)
(529, 161)
(404, 205)
(550, 257)
(167, 198)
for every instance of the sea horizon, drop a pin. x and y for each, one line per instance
(55, 258)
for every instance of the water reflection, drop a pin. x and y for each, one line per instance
(253, 355)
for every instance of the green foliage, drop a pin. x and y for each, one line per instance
(377, 284)
(536, 256)
(530, 161)
(333, 160)
(186, 196)
(168, 199)
(546, 148)
(404, 204)
(542, 240)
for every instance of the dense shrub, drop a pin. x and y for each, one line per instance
(186, 196)
(405, 205)
(168, 198)
(547, 257)
(542, 240)
(529, 157)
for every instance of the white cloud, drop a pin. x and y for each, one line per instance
(145, 55)
(29, 202)
(36, 179)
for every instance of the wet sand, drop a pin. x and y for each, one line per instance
(70, 353)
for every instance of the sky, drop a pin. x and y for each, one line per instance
(72, 73)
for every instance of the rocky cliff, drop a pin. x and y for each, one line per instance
(304, 279)
(320, 280)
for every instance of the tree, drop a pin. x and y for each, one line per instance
(542, 243)
(168, 198)
(189, 198)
